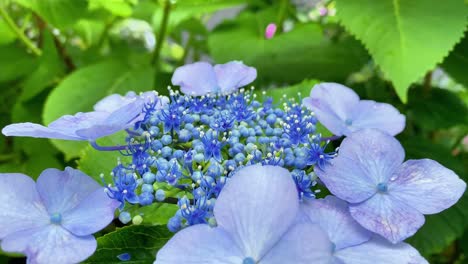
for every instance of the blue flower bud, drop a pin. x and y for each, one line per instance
(166, 139)
(199, 157)
(156, 145)
(147, 188)
(166, 152)
(125, 217)
(149, 178)
(178, 154)
(160, 195)
(146, 198)
(174, 224)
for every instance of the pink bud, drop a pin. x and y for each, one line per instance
(270, 30)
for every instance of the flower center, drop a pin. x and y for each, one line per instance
(382, 187)
(249, 260)
(348, 122)
(333, 247)
(56, 218)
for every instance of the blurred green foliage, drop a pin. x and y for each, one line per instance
(61, 56)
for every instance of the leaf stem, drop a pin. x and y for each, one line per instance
(282, 14)
(161, 35)
(20, 34)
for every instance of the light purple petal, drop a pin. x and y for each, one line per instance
(50, 244)
(332, 103)
(303, 243)
(256, 207)
(426, 186)
(200, 244)
(91, 215)
(111, 103)
(333, 216)
(20, 205)
(387, 216)
(381, 116)
(37, 131)
(61, 191)
(380, 251)
(197, 78)
(233, 75)
(365, 159)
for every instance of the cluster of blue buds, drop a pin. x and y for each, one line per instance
(194, 144)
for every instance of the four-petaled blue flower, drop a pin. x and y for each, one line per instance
(112, 114)
(200, 78)
(387, 196)
(256, 216)
(352, 244)
(52, 221)
(339, 109)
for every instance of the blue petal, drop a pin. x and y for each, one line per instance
(332, 103)
(50, 244)
(426, 186)
(197, 78)
(381, 116)
(20, 204)
(333, 216)
(200, 244)
(388, 217)
(37, 131)
(365, 159)
(233, 75)
(91, 215)
(61, 191)
(380, 251)
(256, 207)
(303, 243)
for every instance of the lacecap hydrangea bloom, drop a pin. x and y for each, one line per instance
(52, 221)
(244, 172)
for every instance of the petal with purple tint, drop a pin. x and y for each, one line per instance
(20, 204)
(200, 244)
(303, 243)
(197, 78)
(378, 250)
(257, 206)
(37, 131)
(426, 186)
(365, 159)
(332, 103)
(91, 215)
(61, 191)
(112, 102)
(233, 75)
(333, 216)
(381, 116)
(388, 217)
(50, 244)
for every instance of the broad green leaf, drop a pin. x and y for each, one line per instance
(154, 214)
(436, 109)
(440, 230)
(405, 38)
(79, 91)
(59, 13)
(48, 72)
(7, 35)
(305, 52)
(15, 62)
(121, 8)
(94, 162)
(141, 242)
(457, 62)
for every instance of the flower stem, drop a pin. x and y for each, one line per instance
(20, 34)
(161, 35)
(107, 148)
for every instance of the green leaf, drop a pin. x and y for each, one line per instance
(48, 72)
(405, 38)
(305, 52)
(457, 62)
(59, 13)
(436, 109)
(121, 8)
(141, 242)
(154, 214)
(15, 62)
(440, 230)
(79, 91)
(94, 162)
(8, 36)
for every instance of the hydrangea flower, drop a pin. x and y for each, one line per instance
(339, 109)
(200, 78)
(112, 114)
(256, 217)
(352, 244)
(387, 196)
(52, 221)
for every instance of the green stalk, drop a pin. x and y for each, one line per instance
(20, 34)
(161, 35)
